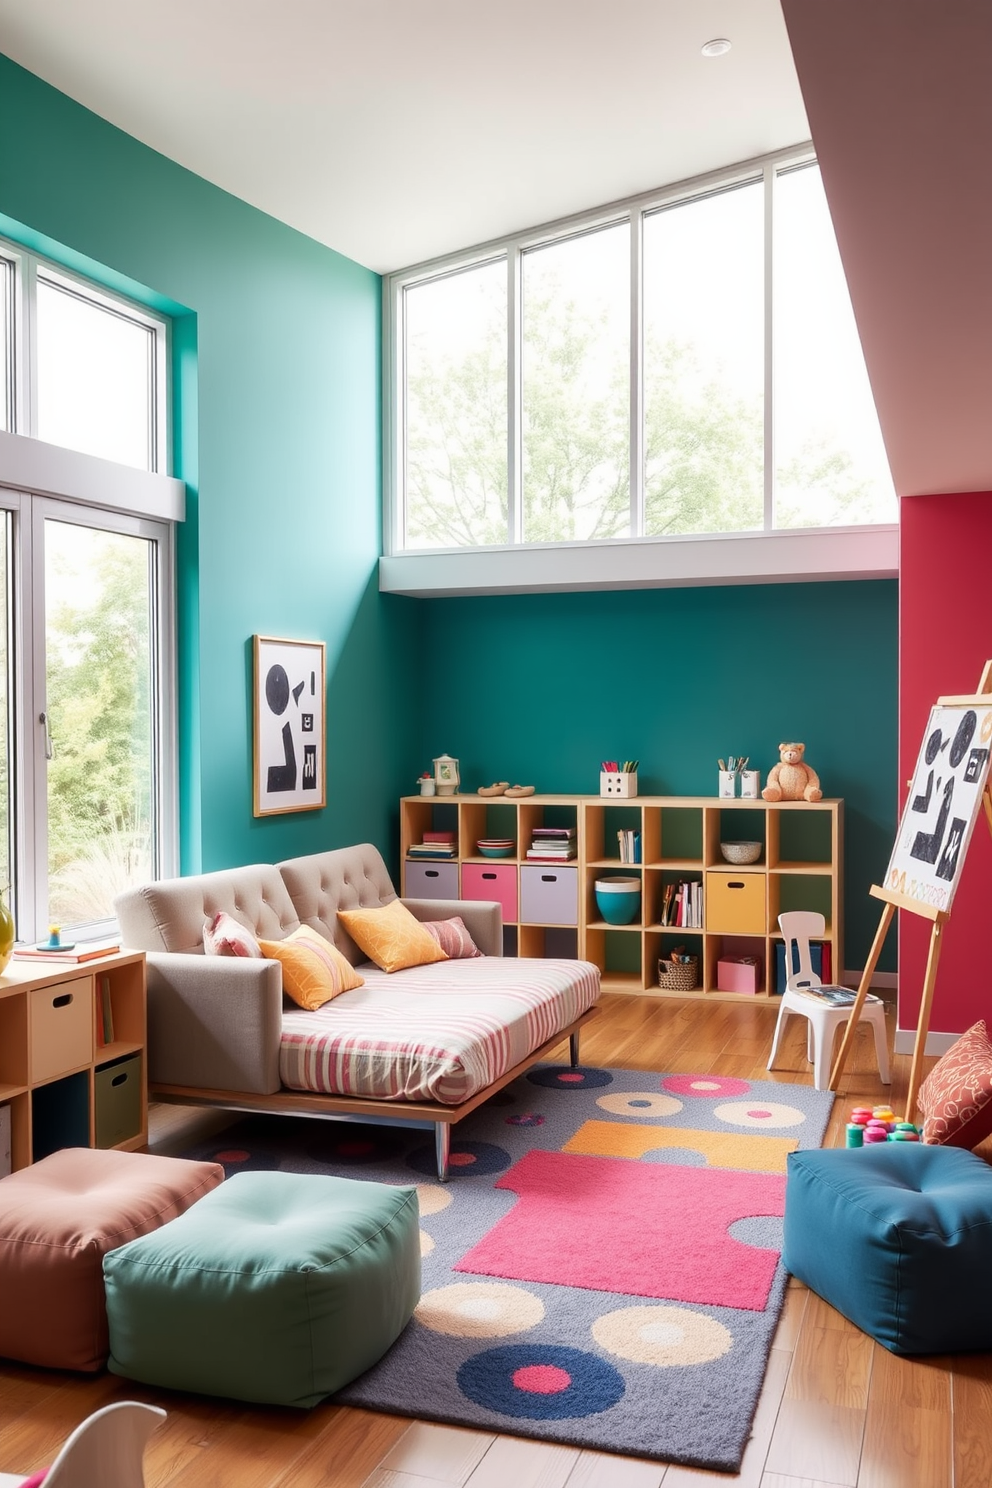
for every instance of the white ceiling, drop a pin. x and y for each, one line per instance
(398, 130)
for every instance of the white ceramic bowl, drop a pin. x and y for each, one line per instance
(741, 852)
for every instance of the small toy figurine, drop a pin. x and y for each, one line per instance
(54, 936)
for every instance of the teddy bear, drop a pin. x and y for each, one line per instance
(791, 779)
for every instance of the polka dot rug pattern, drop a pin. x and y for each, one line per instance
(643, 1328)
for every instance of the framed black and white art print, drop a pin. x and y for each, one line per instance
(290, 769)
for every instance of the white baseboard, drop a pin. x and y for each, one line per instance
(937, 1043)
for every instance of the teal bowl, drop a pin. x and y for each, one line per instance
(495, 852)
(618, 899)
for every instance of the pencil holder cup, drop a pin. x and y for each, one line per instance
(619, 784)
(751, 784)
(727, 783)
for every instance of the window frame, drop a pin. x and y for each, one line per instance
(772, 554)
(41, 481)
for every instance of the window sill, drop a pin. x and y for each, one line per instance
(794, 557)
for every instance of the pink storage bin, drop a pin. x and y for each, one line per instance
(492, 881)
(739, 976)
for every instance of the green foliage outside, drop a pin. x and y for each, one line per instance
(99, 708)
(703, 444)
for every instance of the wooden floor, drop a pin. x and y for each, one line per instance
(835, 1407)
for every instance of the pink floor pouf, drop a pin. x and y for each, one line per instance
(58, 1218)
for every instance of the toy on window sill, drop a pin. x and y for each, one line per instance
(792, 779)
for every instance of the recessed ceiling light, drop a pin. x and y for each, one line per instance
(716, 47)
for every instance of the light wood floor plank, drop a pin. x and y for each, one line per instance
(831, 1367)
(449, 1453)
(971, 1414)
(818, 1441)
(604, 1470)
(514, 1463)
(383, 1478)
(908, 1427)
(351, 1444)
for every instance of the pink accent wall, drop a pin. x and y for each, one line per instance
(945, 639)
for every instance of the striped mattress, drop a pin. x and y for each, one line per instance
(433, 1033)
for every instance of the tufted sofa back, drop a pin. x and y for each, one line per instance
(272, 900)
(169, 915)
(348, 878)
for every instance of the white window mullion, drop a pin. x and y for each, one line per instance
(33, 734)
(636, 374)
(769, 408)
(514, 397)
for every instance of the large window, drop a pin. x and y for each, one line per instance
(686, 364)
(86, 750)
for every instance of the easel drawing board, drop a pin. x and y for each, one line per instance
(950, 786)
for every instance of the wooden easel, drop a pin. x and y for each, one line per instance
(894, 900)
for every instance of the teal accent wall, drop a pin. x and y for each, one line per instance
(539, 689)
(276, 370)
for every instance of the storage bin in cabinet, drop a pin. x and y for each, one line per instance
(549, 896)
(432, 880)
(117, 1100)
(735, 903)
(498, 881)
(61, 1025)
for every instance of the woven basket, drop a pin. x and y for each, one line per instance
(679, 976)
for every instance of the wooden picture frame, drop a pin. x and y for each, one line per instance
(290, 744)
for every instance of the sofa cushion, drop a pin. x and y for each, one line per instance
(453, 938)
(319, 884)
(169, 915)
(313, 971)
(391, 937)
(956, 1097)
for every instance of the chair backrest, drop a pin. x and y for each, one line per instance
(107, 1449)
(799, 927)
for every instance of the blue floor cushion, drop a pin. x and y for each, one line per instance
(276, 1287)
(897, 1237)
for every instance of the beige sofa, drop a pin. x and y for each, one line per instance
(215, 1023)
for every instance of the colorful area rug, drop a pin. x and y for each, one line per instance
(602, 1269)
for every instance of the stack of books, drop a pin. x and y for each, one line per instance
(551, 844)
(434, 845)
(630, 846)
(682, 904)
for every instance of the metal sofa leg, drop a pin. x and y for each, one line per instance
(442, 1147)
(573, 1048)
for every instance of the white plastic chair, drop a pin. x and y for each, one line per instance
(799, 927)
(105, 1451)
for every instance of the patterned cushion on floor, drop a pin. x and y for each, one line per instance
(956, 1097)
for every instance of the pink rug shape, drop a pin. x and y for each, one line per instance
(641, 1229)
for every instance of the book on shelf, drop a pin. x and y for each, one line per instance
(85, 950)
(431, 850)
(439, 837)
(682, 904)
(629, 843)
(553, 832)
(105, 1025)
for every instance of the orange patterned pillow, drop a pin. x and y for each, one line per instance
(956, 1097)
(313, 970)
(391, 937)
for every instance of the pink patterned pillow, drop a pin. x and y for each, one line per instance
(956, 1096)
(223, 935)
(452, 937)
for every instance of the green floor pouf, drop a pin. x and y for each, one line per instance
(277, 1288)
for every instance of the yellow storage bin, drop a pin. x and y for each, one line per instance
(735, 903)
(61, 1028)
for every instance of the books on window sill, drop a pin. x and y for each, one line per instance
(629, 843)
(682, 905)
(84, 950)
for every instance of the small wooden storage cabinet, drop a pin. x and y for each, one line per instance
(64, 1086)
(800, 867)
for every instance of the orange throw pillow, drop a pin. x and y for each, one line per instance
(313, 970)
(391, 936)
